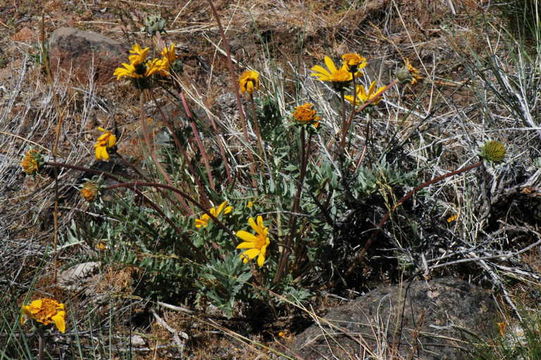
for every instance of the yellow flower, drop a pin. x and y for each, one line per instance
(169, 54)
(157, 66)
(452, 218)
(362, 96)
(89, 191)
(139, 67)
(130, 70)
(306, 115)
(250, 204)
(31, 162)
(354, 62)
(249, 81)
(101, 246)
(502, 326)
(139, 55)
(409, 73)
(256, 244)
(45, 311)
(204, 220)
(333, 74)
(106, 141)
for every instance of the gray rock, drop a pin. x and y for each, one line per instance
(79, 276)
(431, 324)
(137, 341)
(84, 55)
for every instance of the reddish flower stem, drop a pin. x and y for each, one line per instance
(138, 192)
(235, 90)
(284, 258)
(405, 198)
(133, 185)
(347, 124)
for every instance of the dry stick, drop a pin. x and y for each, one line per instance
(146, 136)
(178, 144)
(283, 262)
(188, 112)
(199, 142)
(43, 49)
(134, 184)
(347, 122)
(54, 148)
(256, 126)
(235, 89)
(196, 135)
(409, 194)
(41, 344)
(138, 192)
(140, 173)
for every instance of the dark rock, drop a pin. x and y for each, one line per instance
(431, 324)
(84, 55)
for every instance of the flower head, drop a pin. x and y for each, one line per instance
(158, 67)
(249, 81)
(169, 54)
(306, 115)
(101, 246)
(332, 73)
(409, 73)
(204, 220)
(138, 54)
(45, 311)
(493, 151)
(106, 141)
(31, 162)
(89, 191)
(354, 62)
(140, 68)
(256, 244)
(362, 95)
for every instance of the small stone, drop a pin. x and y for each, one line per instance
(84, 55)
(25, 35)
(77, 277)
(137, 341)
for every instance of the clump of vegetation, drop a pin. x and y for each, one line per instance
(336, 183)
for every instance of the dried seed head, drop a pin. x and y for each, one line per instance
(493, 151)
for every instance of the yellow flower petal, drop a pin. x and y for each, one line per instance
(246, 236)
(320, 72)
(252, 253)
(246, 245)
(261, 259)
(60, 321)
(101, 153)
(330, 64)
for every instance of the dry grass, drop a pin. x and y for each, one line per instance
(439, 125)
